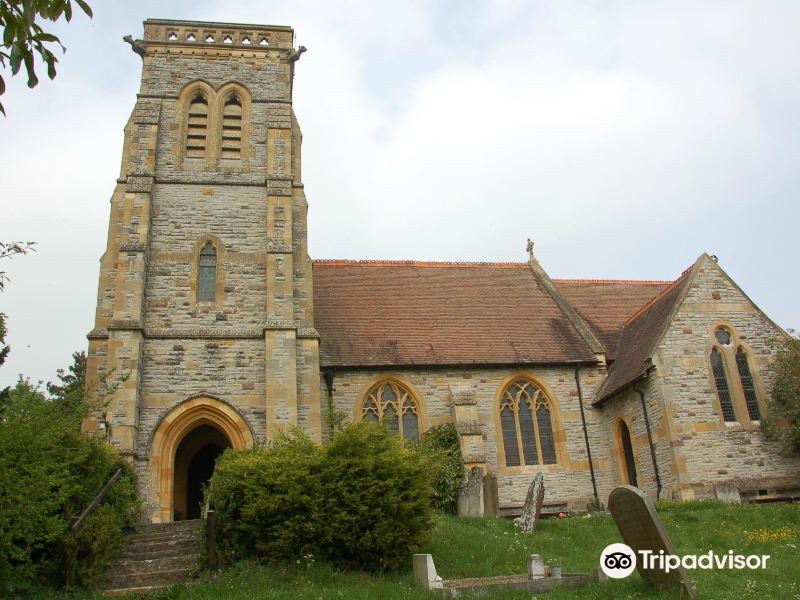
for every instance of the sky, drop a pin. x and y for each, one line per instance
(625, 138)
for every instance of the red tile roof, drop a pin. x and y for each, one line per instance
(640, 335)
(606, 304)
(380, 313)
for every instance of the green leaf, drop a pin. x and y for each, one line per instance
(8, 35)
(68, 11)
(51, 67)
(85, 8)
(29, 67)
(16, 59)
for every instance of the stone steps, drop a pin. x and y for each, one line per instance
(157, 556)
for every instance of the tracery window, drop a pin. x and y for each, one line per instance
(197, 127)
(526, 423)
(207, 274)
(738, 398)
(392, 404)
(232, 128)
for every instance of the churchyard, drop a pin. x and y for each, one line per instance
(482, 547)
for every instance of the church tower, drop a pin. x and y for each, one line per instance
(205, 301)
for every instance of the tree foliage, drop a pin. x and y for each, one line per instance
(784, 421)
(440, 448)
(24, 38)
(70, 392)
(49, 472)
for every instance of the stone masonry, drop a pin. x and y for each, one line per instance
(248, 363)
(254, 348)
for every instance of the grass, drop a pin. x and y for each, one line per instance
(483, 547)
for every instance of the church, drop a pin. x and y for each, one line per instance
(222, 331)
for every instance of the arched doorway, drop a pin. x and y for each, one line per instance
(194, 465)
(183, 451)
(627, 454)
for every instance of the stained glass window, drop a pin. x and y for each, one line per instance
(748, 387)
(207, 274)
(723, 336)
(392, 404)
(527, 425)
(721, 381)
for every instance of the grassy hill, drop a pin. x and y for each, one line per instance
(483, 547)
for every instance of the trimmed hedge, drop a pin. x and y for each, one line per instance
(263, 499)
(362, 501)
(374, 499)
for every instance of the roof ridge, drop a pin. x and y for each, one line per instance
(417, 263)
(617, 281)
(657, 297)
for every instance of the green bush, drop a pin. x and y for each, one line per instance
(374, 499)
(440, 449)
(263, 500)
(361, 501)
(49, 472)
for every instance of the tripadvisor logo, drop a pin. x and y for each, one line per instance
(619, 560)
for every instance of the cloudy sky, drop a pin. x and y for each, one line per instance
(624, 138)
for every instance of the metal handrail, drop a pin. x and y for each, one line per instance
(77, 523)
(211, 533)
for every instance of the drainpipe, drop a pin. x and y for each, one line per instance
(328, 375)
(586, 434)
(650, 440)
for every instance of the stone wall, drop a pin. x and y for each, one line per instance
(627, 406)
(568, 482)
(707, 451)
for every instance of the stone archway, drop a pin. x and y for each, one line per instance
(184, 447)
(195, 457)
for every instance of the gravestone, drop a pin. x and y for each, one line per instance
(491, 497)
(425, 574)
(529, 518)
(729, 494)
(642, 529)
(470, 498)
(535, 566)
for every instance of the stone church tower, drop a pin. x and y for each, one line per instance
(205, 301)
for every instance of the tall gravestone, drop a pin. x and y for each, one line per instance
(642, 529)
(529, 518)
(470, 498)
(491, 496)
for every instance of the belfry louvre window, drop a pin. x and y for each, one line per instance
(232, 128)
(207, 274)
(721, 382)
(197, 127)
(748, 387)
(526, 422)
(393, 405)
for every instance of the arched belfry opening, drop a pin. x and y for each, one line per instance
(184, 450)
(195, 459)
